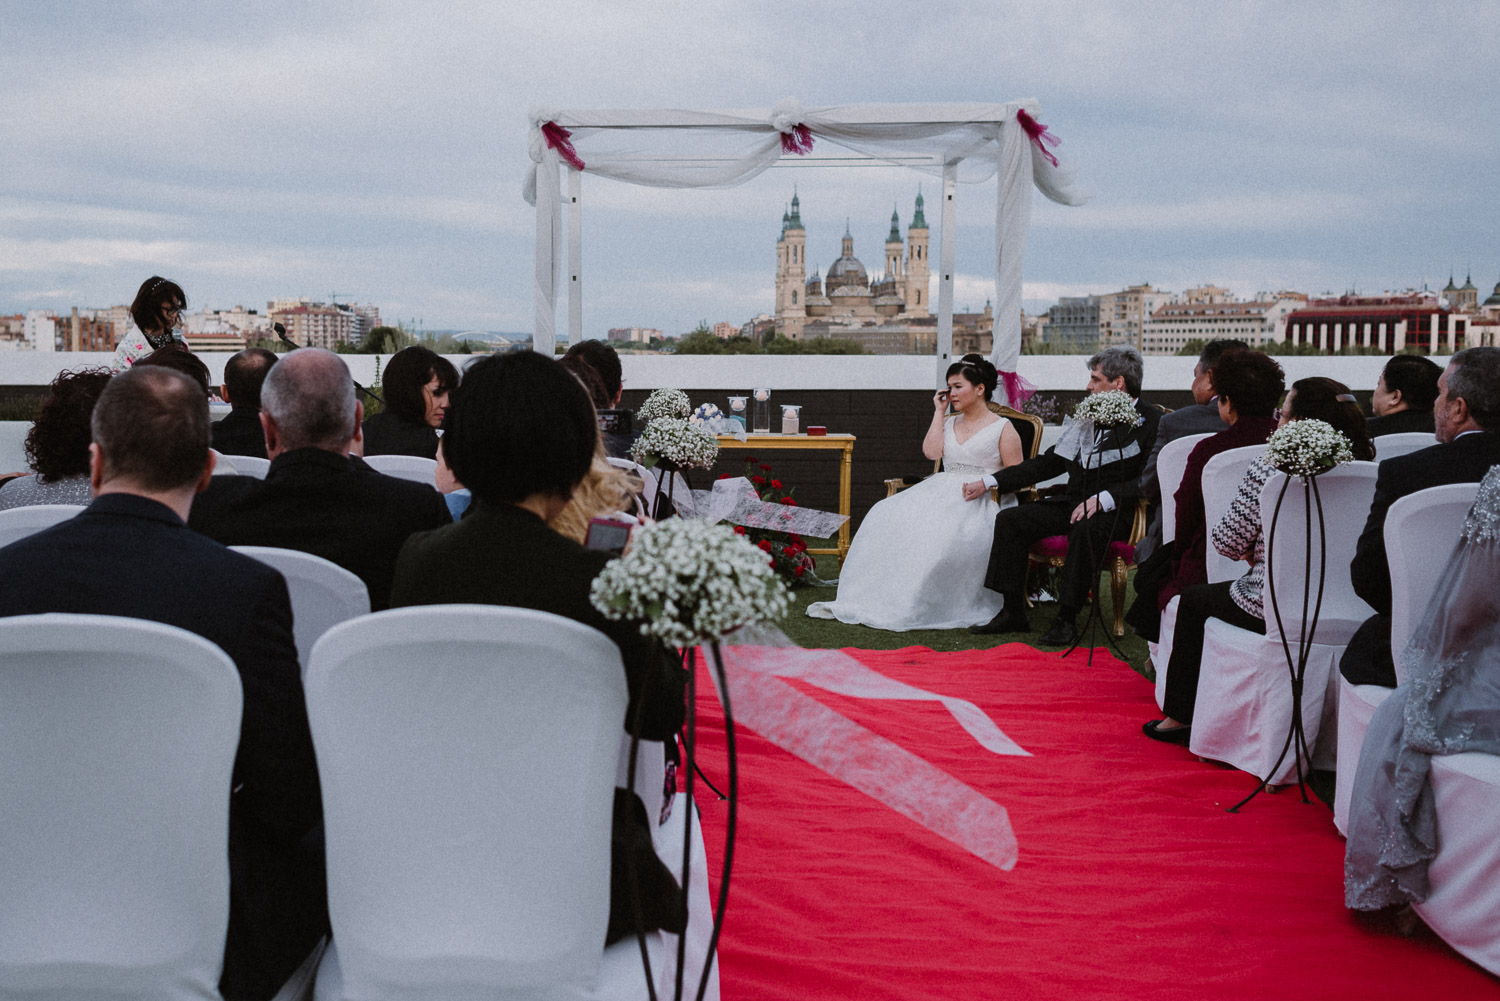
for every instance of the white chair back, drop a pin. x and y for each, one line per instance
(117, 742)
(407, 467)
(1222, 477)
(1171, 463)
(323, 593)
(18, 522)
(1342, 491)
(1390, 445)
(1421, 530)
(13, 445)
(468, 756)
(249, 465)
(648, 483)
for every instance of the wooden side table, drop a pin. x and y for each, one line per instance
(842, 443)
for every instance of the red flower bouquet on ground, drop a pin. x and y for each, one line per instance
(788, 550)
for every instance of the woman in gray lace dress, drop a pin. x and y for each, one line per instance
(1449, 704)
(57, 446)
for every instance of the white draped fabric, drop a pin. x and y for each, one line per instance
(716, 149)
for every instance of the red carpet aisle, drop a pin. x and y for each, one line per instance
(1133, 881)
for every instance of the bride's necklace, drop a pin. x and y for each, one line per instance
(963, 421)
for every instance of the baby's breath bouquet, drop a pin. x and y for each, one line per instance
(1308, 448)
(672, 441)
(664, 403)
(690, 582)
(1111, 408)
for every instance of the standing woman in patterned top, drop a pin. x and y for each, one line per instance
(1238, 537)
(156, 313)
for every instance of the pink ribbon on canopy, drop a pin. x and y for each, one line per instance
(1039, 135)
(798, 140)
(1017, 388)
(557, 138)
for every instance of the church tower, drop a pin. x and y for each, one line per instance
(791, 274)
(917, 271)
(893, 269)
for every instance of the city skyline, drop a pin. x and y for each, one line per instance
(296, 148)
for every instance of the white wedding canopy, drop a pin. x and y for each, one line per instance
(711, 149)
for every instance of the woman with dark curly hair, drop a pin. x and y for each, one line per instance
(415, 384)
(57, 447)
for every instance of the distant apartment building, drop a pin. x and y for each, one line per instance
(725, 330)
(41, 330)
(1387, 323)
(634, 335)
(1210, 313)
(1073, 324)
(13, 332)
(915, 336)
(757, 327)
(321, 325)
(1123, 314)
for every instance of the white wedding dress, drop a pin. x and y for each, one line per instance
(919, 559)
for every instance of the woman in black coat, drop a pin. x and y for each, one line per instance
(415, 385)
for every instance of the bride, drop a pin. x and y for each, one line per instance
(920, 556)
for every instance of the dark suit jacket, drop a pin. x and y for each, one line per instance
(390, 434)
(127, 555)
(1123, 455)
(505, 555)
(1405, 421)
(326, 504)
(239, 433)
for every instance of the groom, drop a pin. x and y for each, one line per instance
(1096, 509)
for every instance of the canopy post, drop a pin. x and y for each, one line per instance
(945, 274)
(575, 257)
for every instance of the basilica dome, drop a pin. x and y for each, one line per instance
(846, 271)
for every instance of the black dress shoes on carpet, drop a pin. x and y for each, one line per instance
(1176, 735)
(1005, 622)
(1062, 632)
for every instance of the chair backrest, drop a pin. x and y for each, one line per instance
(117, 743)
(323, 593)
(249, 465)
(1345, 494)
(18, 522)
(13, 445)
(468, 756)
(1028, 426)
(1421, 529)
(1222, 476)
(1389, 445)
(648, 482)
(416, 468)
(1171, 463)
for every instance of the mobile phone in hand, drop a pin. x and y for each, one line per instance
(607, 535)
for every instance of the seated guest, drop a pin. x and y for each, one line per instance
(521, 436)
(1202, 417)
(415, 386)
(1404, 396)
(1103, 482)
(1467, 423)
(239, 432)
(315, 497)
(130, 554)
(605, 362)
(1238, 537)
(57, 446)
(1249, 384)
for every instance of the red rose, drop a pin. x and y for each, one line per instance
(799, 571)
(772, 564)
(789, 500)
(749, 459)
(775, 484)
(723, 476)
(765, 545)
(739, 530)
(759, 481)
(765, 467)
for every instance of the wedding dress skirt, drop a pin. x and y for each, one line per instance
(919, 558)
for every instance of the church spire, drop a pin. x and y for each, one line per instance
(918, 220)
(895, 236)
(794, 220)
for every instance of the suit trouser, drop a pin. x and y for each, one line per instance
(1018, 528)
(1198, 604)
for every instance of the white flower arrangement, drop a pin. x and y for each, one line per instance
(676, 441)
(690, 581)
(1308, 448)
(664, 403)
(705, 413)
(1111, 408)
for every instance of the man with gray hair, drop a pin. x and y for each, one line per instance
(1467, 420)
(317, 498)
(1104, 468)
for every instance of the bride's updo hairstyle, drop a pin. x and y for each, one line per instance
(977, 371)
(1327, 400)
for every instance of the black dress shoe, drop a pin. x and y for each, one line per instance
(1005, 622)
(1176, 735)
(1061, 633)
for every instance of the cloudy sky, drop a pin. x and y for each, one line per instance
(377, 150)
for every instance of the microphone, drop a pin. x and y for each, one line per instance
(283, 338)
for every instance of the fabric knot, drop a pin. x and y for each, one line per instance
(557, 138)
(1038, 134)
(1018, 389)
(786, 118)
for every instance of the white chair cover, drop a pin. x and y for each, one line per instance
(648, 483)
(1244, 703)
(468, 755)
(407, 467)
(17, 523)
(1171, 463)
(700, 908)
(13, 445)
(223, 464)
(117, 742)
(323, 593)
(1463, 900)
(1418, 529)
(1390, 445)
(249, 465)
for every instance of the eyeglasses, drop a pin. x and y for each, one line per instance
(171, 307)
